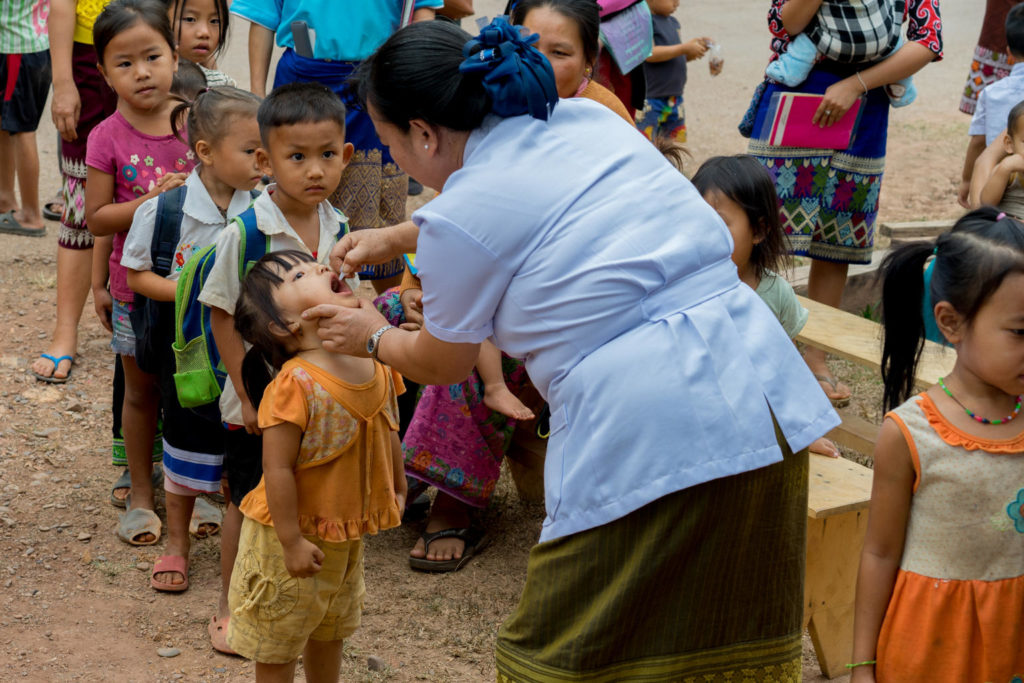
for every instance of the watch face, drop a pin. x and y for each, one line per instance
(370, 343)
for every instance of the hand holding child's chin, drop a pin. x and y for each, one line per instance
(345, 329)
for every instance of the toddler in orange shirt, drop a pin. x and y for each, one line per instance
(332, 471)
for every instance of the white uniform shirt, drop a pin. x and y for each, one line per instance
(994, 104)
(579, 248)
(222, 286)
(201, 222)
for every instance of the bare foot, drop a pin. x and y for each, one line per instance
(447, 513)
(498, 398)
(44, 366)
(823, 446)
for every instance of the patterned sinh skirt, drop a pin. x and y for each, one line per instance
(703, 585)
(987, 67)
(455, 442)
(828, 199)
(98, 102)
(373, 189)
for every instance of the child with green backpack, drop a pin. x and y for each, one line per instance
(302, 128)
(165, 232)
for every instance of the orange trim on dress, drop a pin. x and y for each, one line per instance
(914, 457)
(955, 436)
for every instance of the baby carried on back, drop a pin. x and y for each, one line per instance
(848, 32)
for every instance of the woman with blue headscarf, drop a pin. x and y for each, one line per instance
(676, 471)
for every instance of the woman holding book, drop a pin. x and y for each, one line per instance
(828, 198)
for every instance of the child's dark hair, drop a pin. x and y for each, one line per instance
(585, 14)
(177, 8)
(673, 152)
(295, 103)
(254, 313)
(189, 80)
(747, 182)
(971, 262)
(212, 112)
(1015, 31)
(1013, 118)
(121, 15)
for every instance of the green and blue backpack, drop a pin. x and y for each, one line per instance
(199, 371)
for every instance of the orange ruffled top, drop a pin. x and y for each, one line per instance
(344, 475)
(957, 609)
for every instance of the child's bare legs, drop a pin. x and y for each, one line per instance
(321, 661)
(497, 396)
(8, 202)
(825, 285)
(230, 532)
(21, 159)
(138, 419)
(179, 513)
(276, 673)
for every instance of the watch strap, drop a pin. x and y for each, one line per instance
(374, 343)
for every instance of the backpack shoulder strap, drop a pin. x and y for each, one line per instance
(342, 223)
(167, 229)
(252, 245)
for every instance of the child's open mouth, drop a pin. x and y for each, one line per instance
(338, 286)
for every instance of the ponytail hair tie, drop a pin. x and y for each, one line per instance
(516, 76)
(1001, 216)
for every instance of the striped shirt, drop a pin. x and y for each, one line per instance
(23, 26)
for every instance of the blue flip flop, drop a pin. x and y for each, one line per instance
(56, 360)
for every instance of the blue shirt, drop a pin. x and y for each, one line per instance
(345, 31)
(995, 102)
(601, 266)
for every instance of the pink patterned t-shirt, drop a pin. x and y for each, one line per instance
(135, 160)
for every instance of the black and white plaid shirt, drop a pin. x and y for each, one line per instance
(853, 31)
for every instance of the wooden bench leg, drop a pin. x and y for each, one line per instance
(833, 555)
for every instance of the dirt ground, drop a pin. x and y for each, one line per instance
(75, 602)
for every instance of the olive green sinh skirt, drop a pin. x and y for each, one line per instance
(703, 585)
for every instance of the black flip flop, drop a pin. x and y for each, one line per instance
(50, 213)
(11, 226)
(475, 539)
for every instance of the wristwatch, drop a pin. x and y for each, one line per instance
(373, 343)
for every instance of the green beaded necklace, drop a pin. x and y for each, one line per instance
(978, 418)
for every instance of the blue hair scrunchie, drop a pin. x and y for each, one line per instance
(931, 328)
(516, 75)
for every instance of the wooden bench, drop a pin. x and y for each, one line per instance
(838, 494)
(913, 231)
(839, 490)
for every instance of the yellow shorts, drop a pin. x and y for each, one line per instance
(273, 614)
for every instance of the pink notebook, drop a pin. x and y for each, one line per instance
(790, 114)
